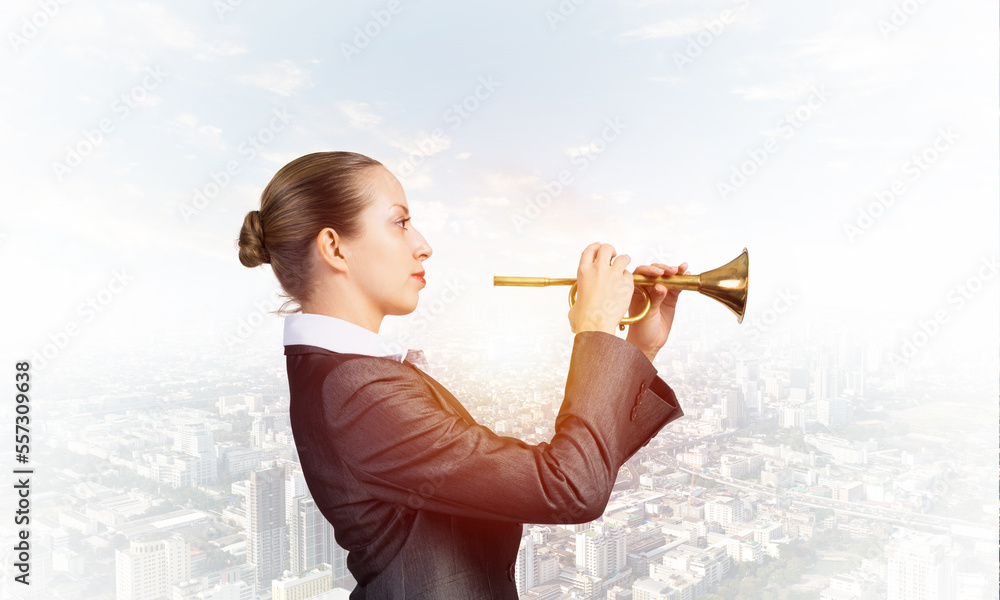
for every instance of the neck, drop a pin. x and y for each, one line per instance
(344, 304)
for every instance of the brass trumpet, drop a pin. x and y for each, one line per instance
(727, 284)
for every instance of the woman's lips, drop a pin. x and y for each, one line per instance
(420, 276)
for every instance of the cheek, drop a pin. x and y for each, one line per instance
(381, 259)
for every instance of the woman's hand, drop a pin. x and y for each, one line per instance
(651, 332)
(604, 289)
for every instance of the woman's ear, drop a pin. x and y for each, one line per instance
(329, 245)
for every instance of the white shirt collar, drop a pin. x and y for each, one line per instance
(338, 335)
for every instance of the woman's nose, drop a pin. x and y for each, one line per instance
(423, 250)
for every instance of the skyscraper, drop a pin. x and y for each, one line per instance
(310, 536)
(267, 532)
(152, 563)
(316, 582)
(918, 568)
(525, 567)
(733, 408)
(600, 552)
(262, 423)
(833, 412)
(197, 442)
(799, 385)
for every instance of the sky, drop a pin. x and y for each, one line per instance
(851, 147)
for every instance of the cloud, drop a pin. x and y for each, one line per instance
(673, 79)
(501, 180)
(616, 196)
(585, 149)
(360, 115)
(415, 147)
(860, 142)
(173, 32)
(671, 28)
(151, 25)
(489, 201)
(134, 34)
(788, 91)
(413, 181)
(282, 77)
(187, 127)
(429, 217)
(423, 143)
(470, 228)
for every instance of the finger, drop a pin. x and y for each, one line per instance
(601, 254)
(605, 254)
(682, 268)
(666, 270)
(620, 262)
(656, 292)
(589, 254)
(649, 270)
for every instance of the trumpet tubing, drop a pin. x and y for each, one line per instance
(677, 282)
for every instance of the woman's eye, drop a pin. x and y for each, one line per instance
(402, 223)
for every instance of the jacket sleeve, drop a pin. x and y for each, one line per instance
(405, 448)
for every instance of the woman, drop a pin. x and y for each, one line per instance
(428, 503)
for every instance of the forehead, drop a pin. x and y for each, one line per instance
(387, 192)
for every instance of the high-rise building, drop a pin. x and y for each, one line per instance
(303, 586)
(828, 382)
(601, 551)
(311, 540)
(799, 385)
(196, 442)
(794, 418)
(650, 589)
(918, 568)
(262, 424)
(152, 563)
(240, 403)
(295, 486)
(775, 387)
(733, 408)
(267, 532)
(310, 536)
(226, 584)
(619, 593)
(748, 369)
(833, 412)
(753, 396)
(534, 566)
(855, 384)
(724, 510)
(524, 566)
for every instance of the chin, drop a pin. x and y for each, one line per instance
(404, 309)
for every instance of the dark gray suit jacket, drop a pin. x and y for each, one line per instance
(428, 503)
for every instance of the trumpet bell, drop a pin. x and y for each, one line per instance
(728, 284)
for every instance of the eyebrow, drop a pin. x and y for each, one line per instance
(405, 209)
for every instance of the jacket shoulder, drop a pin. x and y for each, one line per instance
(311, 369)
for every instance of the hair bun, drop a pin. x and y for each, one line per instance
(253, 252)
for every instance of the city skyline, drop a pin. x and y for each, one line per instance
(761, 446)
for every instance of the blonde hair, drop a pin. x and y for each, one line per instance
(323, 189)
